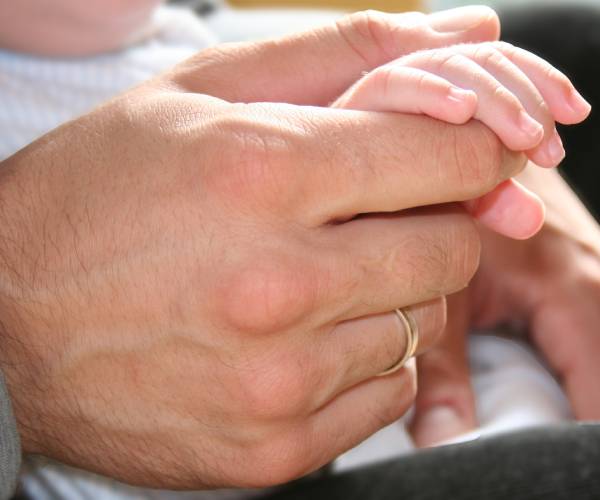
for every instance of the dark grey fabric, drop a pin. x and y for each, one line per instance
(555, 463)
(10, 449)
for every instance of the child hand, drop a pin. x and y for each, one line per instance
(515, 93)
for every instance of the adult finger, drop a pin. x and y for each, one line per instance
(305, 444)
(364, 409)
(386, 262)
(445, 403)
(317, 66)
(327, 164)
(362, 348)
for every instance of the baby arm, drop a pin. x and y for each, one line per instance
(516, 94)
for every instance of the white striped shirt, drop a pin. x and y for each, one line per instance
(38, 93)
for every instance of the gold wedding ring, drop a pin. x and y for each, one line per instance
(411, 330)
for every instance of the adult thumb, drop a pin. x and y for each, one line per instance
(316, 66)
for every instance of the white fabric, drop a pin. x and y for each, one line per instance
(513, 390)
(37, 94)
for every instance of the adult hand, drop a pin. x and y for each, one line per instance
(182, 307)
(549, 284)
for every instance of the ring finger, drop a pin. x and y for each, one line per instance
(359, 349)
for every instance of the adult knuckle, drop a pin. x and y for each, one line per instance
(277, 390)
(382, 80)
(474, 158)
(369, 34)
(251, 158)
(265, 298)
(554, 75)
(446, 60)
(446, 260)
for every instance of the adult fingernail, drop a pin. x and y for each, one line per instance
(460, 19)
(439, 424)
(457, 94)
(530, 127)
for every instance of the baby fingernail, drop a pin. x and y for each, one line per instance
(459, 95)
(578, 103)
(530, 126)
(556, 151)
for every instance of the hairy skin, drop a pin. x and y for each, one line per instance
(178, 309)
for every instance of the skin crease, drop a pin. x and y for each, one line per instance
(178, 313)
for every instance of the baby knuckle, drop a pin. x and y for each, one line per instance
(422, 262)
(445, 262)
(487, 55)
(449, 60)
(541, 110)
(508, 49)
(554, 75)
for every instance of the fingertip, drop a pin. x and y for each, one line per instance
(440, 423)
(463, 105)
(573, 110)
(511, 210)
(550, 153)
